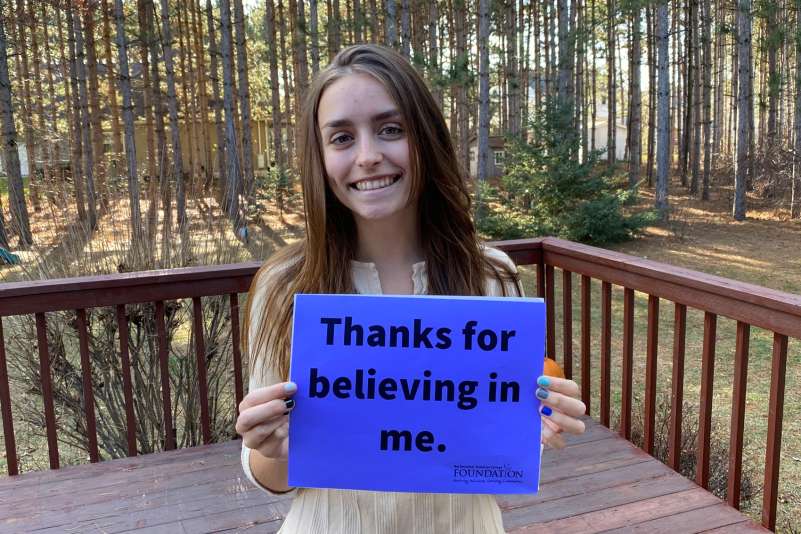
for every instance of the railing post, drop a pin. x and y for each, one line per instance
(567, 323)
(773, 451)
(5, 404)
(705, 415)
(738, 414)
(47, 389)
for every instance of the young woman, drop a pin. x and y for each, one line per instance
(387, 211)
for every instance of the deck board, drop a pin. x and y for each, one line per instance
(599, 483)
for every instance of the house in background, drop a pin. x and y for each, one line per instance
(497, 153)
(601, 132)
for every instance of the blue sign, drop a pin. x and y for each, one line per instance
(416, 393)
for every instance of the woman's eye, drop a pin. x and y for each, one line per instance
(340, 139)
(391, 130)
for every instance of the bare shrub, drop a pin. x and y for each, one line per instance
(212, 242)
(719, 447)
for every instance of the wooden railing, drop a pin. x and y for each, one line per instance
(747, 304)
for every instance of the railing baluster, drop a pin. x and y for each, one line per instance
(127, 383)
(606, 350)
(677, 387)
(238, 388)
(47, 389)
(550, 326)
(774, 448)
(89, 395)
(164, 366)
(738, 414)
(567, 322)
(628, 362)
(5, 404)
(200, 354)
(650, 373)
(705, 415)
(586, 361)
(541, 280)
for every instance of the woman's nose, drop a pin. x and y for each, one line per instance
(369, 153)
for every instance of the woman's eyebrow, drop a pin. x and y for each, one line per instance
(384, 115)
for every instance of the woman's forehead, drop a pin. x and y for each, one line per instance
(353, 98)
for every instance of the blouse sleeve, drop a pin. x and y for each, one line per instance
(260, 376)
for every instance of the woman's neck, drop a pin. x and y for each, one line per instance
(389, 242)
(394, 247)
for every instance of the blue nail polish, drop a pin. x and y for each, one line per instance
(289, 387)
(546, 410)
(543, 381)
(542, 393)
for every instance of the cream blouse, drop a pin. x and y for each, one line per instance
(333, 511)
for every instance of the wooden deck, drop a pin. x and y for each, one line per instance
(600, 482)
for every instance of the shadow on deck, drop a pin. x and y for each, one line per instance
(600, 482)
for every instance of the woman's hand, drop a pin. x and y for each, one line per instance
(263, 422)
(560, 409)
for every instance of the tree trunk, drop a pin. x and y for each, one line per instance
(651, 38)
(405, 30)
(172, 107)
(99, 168)
(288, 109)
(146, 36)
(483, 97)
(774, 77)
(315, 37)
(635, 113)
(512, 78)
(663, 106)
(795, 198)
(203, 112)
(433, 49)
(16, 192)
(696, 148)
(31, 144)
(233, 183)
(611, 127)
(116, 134)
(391, 28)
(275, 95)
(563, 82)
(128, 121)
(74, 107)
(357, 21)
(462, 69)
(55, 144)
(215, 87)
(248, 181)
(160, 182)
(86, 129)
(40, 114)
(689, 82)
(706, 24)
(744, 110)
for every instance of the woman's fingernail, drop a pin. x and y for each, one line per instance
(543, 381)
(542, 393)
(289, 387)
(546, 410)
(289, 403)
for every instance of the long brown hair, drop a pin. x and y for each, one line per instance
(321, 262)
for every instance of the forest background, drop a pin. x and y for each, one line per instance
(151, 134)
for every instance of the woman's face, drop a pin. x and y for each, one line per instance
(366, 149)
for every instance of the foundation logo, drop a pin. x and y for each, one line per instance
(487, 473)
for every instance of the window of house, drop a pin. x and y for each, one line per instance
(499, 154)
